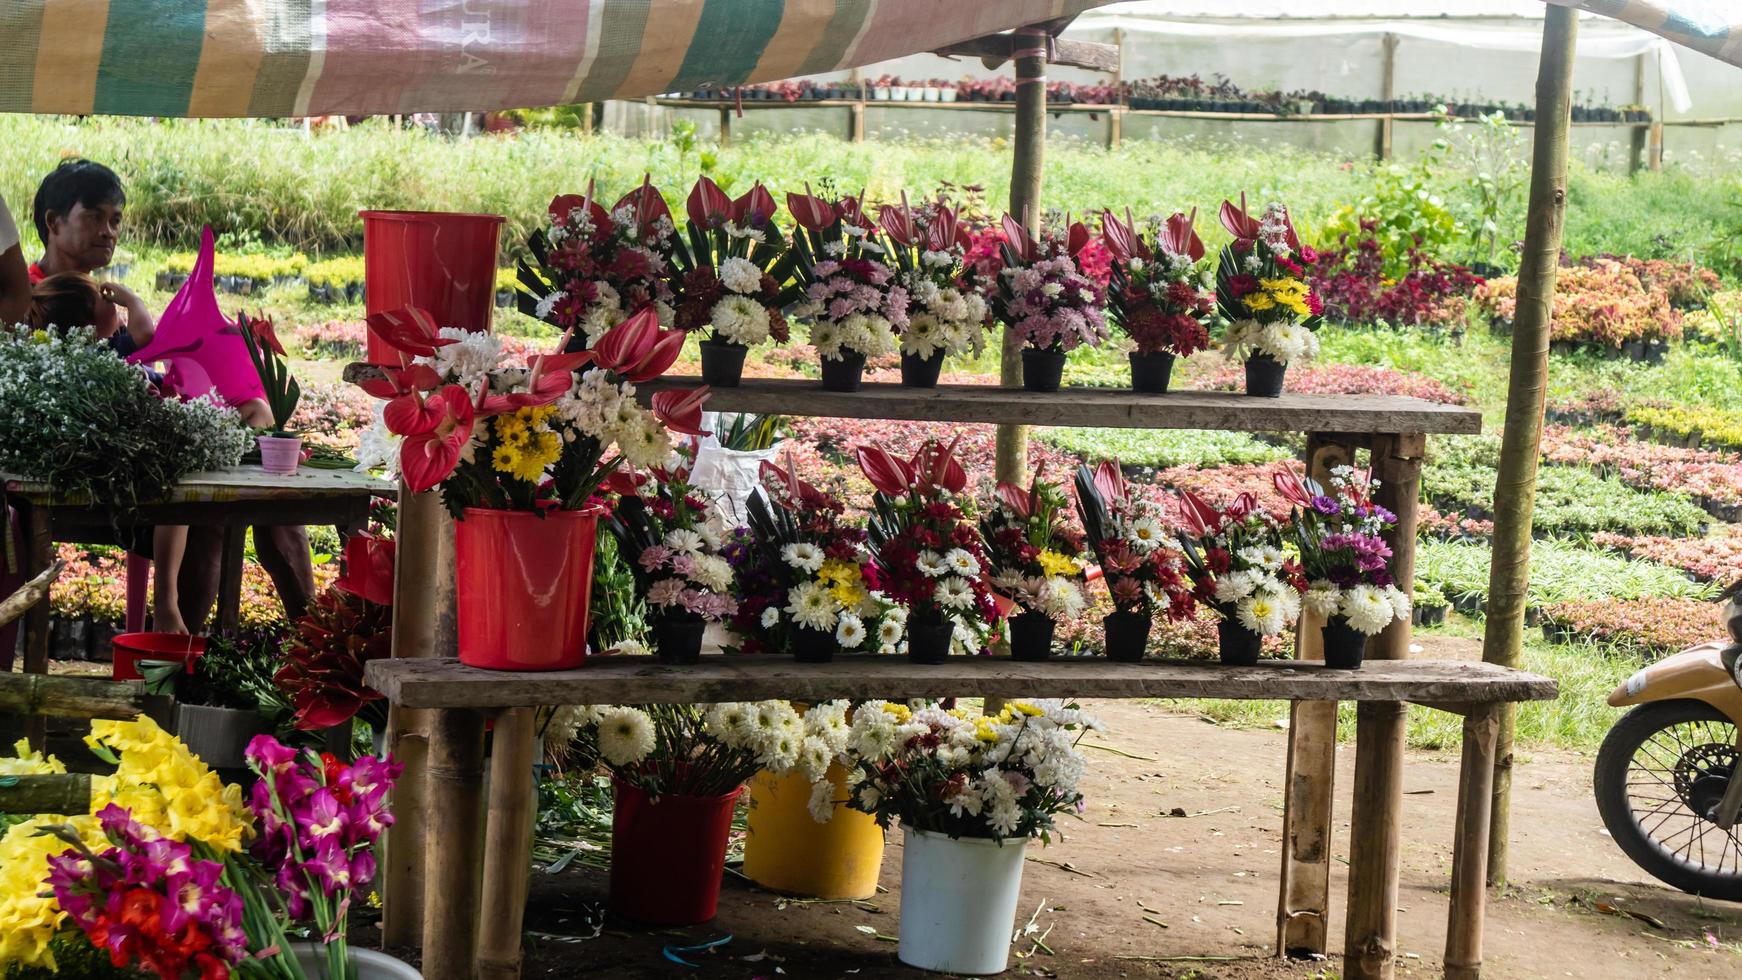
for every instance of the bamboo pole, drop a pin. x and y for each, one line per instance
(452, 839)
(1470, 846)
(56, 793)
(39, 543)
(508, 844)
(1025, 180)
(1515, 486)
(61, 696)
(30, 593)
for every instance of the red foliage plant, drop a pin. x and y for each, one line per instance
(1653, 626)
(1340, 379)
(1351, 280)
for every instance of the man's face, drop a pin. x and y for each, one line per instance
(86, 235)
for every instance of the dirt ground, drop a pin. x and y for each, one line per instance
(1211, 877)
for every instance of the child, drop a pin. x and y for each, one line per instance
(73, 299)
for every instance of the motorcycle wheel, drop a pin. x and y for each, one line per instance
(1661, 770)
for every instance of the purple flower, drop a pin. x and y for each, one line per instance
(1325, 505)
(268, 753)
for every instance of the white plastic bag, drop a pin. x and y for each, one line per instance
(730, 476)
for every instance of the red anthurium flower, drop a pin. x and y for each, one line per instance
(623, 483)
(1199, 517)
(1119, 237)
(897, 221)
(562, 204)
(810, 212)
(1017, 237)
(946, 231)
(1179, 237)
(400, 381)
(649, 205)
(1289, 484)
(410, 330)
(1016, 498)
(708, 206)
(936, 465)
(428, 455)
(542, 389)
(1244, 504)
(754, 208)
(805, 493)
(852, 212)
(681, 411)
(891, 475)
(1076, 237)
(368, 569)
(264, 334)
(1239, 224)
(1110, 481)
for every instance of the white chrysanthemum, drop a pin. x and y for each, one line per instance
(1262, 612)
(850, 632)
(814, 758)
(1060, 599)
(822, 801)
(731, 722)
(740, 320)
(713, 572)
(954, 593)
(1399, 601)
(962, 562)
(925, 335)
(810, 605)
(547, 303)
(740, 275)
(802, 555)
(625, 736)
(378, 448)
(683, 541)
(770, 617)
(1146, 535)
(1234, 586)
(931, 564)
(468, 362)
(599, 321)
(1323, 598)
(1368, 609)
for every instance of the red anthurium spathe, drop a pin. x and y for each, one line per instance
(1292, 488)
(649, 205)
(368, 569)
(801, 491)
(637, 348)
(897, 221)
(1077, 236)
(890, 475)
(946, 232)
(1197, 515)
(1241, 506)
(936, 465)
(852, 212)
(811, 212)
(681, 411)
(1239, 224)
(708, 206)
(1180, 237)
(623, 482)
(542, 390)
(1018, 239)
(1016, 498)
(429, 454)
(411, 330)
(264, 334)
(1110, 481)
(754, 208)
(401, 381)
(1120, 238)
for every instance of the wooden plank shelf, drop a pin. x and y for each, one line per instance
(443, 683)
(1097, 407)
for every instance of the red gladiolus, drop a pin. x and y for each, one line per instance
(755, 208)
(410, 330)
(439, 429)
(708, 206)
(1241, 225)
(368, 569)
(681, 411)
(812, 213)
(891, 475)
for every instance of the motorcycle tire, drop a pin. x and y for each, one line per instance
(1614, 763)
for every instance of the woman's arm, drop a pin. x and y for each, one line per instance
(14, 274)
(140, 326)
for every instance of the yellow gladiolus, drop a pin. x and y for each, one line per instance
(28, 918)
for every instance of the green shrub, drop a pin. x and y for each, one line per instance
(1159, 448)
(1689, 424)
(1560, 571)
(337, 272)
(1570, 500)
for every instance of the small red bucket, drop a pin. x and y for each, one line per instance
(440, 261)
(667, 856)
(523, 582)
(130, 648)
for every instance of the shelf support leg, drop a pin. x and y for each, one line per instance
(453, 821)
(1470, 845)
(1025, 182)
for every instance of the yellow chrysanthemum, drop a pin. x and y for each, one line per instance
(1032, 711)
(984, 731)
(30, 763)
(1053, 563)
(28, 920)
(836, 571)
(849, 596)
(1258, 302)
(897, 711)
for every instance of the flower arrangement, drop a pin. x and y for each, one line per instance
(729, 267)
(1033, 554)
(1240, 570)
(1262, 289)
(807, 581)
(1339, 531)
(1143, 566)
(665, 531)
(1042, 293)
(954, 772)
(1158, 295)
(852, 297)
(711, 749)
(929, 554)
(592, 268)
(946, 316)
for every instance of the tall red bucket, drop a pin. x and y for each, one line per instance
(523, 581)
(667, 856)
(442, 262)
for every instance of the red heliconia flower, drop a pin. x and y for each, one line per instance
(411, 330)
(708, 206)
(368, 568)
(754, 208)
(397, 381)
(890, 475)
(436, 431)
(1289, 484)
(811, 212)
(1180, 237)
(637, 348)
(681, 411)
(1241, 225)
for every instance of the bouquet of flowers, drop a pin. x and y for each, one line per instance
(1343, 553)
(1262, 288)
(1143, 566)
(852, 297)
(533, 437)
(728, 269)
(929, 554)
(593, 268)
(964, 774)
(1034, 555)
(946, 317)
(1240, 570)
(811, 586)
(1157, 293)
(1045, 297)
(665, 535)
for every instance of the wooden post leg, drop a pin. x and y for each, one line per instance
(39, 551)
(453, 821)
(1370, 934)
(725, 126)
(230, 580)
(508, 844)
(1303, 907)
(1470, 846)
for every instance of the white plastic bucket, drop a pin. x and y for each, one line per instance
(958, 902)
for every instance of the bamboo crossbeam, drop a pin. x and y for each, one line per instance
(65, 793)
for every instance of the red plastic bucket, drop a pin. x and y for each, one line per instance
(130, 648)
(523, 582)
(440, 261)
(667, 856)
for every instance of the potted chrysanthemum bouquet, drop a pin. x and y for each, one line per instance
(929, 554)
(1340, 533)
(667, 534)
(946, 316)
(727, 276)
(1263, 292)
(678, 770)
(1142, 565)
(1044, 296)
(520, 453)
(852, 299)
(591, 269)
(1035, 558)
(970, 792)
(1240, 571)
(1157, 294)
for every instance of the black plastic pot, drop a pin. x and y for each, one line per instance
(1042, 370)
(928, 641)
(811, 646)
(1237, 645)
(843, 373)
(1344, 644)
(1031, 636)
(678, 639)
(723, 363)
(1127, 635)
(1264, 376)
(1150, 372)
(921, 372)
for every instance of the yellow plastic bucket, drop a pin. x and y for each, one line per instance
(787, 851)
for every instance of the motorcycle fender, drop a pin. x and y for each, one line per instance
(1696, 674)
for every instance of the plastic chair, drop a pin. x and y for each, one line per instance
(138, 581)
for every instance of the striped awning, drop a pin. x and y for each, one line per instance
(319, 57)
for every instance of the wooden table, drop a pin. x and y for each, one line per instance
(233, 499)
(461, 698)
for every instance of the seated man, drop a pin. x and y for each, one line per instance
(78, 212)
